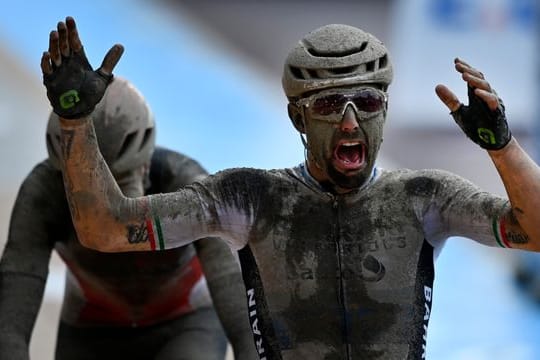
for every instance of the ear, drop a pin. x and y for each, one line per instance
(297, 117)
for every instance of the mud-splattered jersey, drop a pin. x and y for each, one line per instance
(333, 276)
(109, 289)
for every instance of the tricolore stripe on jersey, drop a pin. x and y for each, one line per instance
(500, 233)
(155, 234)
(157, 223)
(150, 231)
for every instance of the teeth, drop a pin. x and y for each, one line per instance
(350, 144)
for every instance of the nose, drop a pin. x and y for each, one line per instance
(349, 122)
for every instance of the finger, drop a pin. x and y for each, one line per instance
(73, 33)
(462, 68)
(476, 82)
(63, 39)
(460, 65)
(489, 98)
(54, 51)
(111, 59)
(461, 61)
(448, 97)
(46, 67)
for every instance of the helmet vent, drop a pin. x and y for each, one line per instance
(296, 72)
(337, 54)
(343, 70)
(383, 61)
(146, 137)
(127, 143)
(313, 74)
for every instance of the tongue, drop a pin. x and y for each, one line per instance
(349, 153)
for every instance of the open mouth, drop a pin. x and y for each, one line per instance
(349, 155)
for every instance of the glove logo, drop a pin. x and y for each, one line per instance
(486, 136)
(69, 99)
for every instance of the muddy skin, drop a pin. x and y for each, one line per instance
(322, 137)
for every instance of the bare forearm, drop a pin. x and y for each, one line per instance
(101, 214)
(521, 178)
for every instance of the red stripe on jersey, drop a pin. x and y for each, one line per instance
(150, 230)
(503, 234)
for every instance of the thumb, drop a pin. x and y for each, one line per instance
(448, 97)
(111, 59)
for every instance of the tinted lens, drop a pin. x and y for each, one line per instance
(365, 100)
(329, 104)
(368, 101)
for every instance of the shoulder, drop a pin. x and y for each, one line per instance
(246, 174)
(251, 179)
(42, 193)
(44, 177)
(172, 159)
(170, 170)
(423, 182)
(45, 168)
(415, 175)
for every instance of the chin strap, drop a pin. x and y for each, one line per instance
(306, 146)
(304, 142)
(307, 152)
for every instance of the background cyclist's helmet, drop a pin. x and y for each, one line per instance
(124, 127)
(333, 56)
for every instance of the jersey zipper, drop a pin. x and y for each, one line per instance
(342, 291)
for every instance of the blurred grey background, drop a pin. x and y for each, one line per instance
(211, 72)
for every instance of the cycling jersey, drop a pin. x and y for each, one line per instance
(333, 276)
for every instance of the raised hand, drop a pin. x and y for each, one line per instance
(483, 120)
(73, 87)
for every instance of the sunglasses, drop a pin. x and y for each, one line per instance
(330, 105)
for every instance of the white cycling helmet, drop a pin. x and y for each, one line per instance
(333, 56)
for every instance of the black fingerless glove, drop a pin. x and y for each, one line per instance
(74, 88)
(485, 127)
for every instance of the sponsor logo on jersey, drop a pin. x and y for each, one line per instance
(254, 321)
(427, 313)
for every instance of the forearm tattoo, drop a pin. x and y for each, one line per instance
(144, 231)
(516, 237)
(137, 233)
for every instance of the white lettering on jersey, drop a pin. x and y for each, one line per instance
(427, 313)
(254, 321)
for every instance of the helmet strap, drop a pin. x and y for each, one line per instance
(305, 143)
(307, 152)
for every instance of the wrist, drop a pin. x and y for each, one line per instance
(76, 122)
(512, 143)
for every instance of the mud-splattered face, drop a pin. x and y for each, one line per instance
(344, 142)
